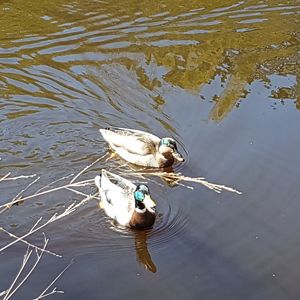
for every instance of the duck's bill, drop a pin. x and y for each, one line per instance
(149, 203)
(178, 156)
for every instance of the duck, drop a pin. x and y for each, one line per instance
(128, 204)
(142, 148)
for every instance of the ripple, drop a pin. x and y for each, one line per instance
(117, 45)
(169, 225)
(252, 21)
(167, 43)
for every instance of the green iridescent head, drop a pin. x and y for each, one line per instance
(142, 198)
(168, 145)
(140, 192)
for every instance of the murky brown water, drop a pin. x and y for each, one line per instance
(223, 79)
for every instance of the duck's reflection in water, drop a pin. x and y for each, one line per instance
(140, 242)
(142, 254)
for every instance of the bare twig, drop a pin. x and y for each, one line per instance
(44, 294)
(3, 293)
(55, 181)
(24, 262)
(10, 292)
(71, 208)
(18, 198)
(29, 244)
(21, 238)
(177, 177)
(76, 184)
(4, 209)
(3, 178)
(87, 167)
(82, 194)
(18, 177)
(20, 279)
(54, 291)
(25, 189)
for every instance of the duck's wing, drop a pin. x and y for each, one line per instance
(117, 187)
(111, 180)
(117, 195)
(131, 140)
(147, 160)
(133, 132)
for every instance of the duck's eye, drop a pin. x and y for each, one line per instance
(173, 145)
(139, 196)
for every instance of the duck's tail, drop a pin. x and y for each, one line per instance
(98, 181)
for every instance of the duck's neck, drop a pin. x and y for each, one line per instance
(140, 207)
(165, 160)
(142, 220)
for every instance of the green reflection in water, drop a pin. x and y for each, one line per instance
(193, 40)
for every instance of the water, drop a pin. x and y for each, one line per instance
(222, 79)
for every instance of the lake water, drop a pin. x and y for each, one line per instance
(221, 78)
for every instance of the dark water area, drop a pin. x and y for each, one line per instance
(220, 78)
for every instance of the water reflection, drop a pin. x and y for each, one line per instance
(140, 238)
(142, 254)
(153, 47)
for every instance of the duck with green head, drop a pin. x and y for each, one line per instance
(142, 148)
(129, 204)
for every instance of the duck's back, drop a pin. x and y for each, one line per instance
(132, 141)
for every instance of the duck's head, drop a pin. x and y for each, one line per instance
(142, 198)
(168, 146)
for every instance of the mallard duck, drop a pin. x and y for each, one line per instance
(142, 148)
(129, 204)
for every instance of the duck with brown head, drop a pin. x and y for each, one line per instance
(142, 148)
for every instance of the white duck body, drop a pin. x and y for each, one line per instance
(118, 202)
(141, 148)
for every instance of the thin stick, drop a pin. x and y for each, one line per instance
(71, 208)
(4, 209)
(87, 167)
(177, 177)
(54, 291)
(24, 262)
(82, 183)
(55, 181)
(2, 178)
(43, 294)
(22, 238)
(17, 197)
(19, 177)
(39, 256)
(29, 244)
(82, 194)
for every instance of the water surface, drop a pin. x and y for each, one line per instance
(222, 79)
